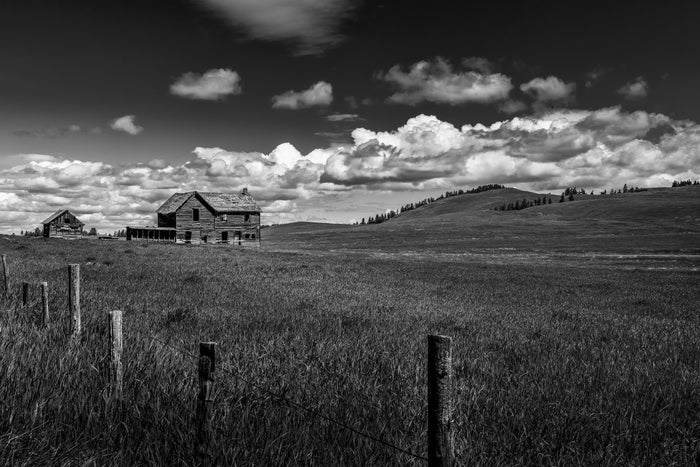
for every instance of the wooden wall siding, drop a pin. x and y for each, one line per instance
(57, 227)
(210, 226)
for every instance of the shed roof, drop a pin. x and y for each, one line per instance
(218, 202)
(58, 213)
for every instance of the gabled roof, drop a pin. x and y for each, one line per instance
(174, 202)
(230, 202)
(58, 213)
(218, 202)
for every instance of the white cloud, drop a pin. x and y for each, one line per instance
(318, 95)
(593, 149)
(342, 117)
(311, 24)
(126, 124)
(634, 90)
(592, 77)
(549, 89)
(213, 85)
(51, 132)
(512, 106)
(437, 82)
(480, 64)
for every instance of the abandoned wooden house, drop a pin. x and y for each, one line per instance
(63, 224)
(204, 217)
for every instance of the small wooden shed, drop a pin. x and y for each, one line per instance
(63, 224)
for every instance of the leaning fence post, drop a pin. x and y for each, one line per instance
(207, 360)
(440, 451)
(25, 293)
(116, 345)
(6, 276)
(45, 303)
(74, 296)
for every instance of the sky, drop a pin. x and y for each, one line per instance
(335, 110)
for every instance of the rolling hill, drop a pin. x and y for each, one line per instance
(658, 219)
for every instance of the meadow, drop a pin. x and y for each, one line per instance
(563, 354)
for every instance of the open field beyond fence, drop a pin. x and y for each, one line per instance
(555, 362)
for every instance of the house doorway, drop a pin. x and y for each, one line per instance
(224, 237)
(188, 236)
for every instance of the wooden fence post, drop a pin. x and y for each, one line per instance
(440, 452)
(45, 304)
(74, 296)
(116, 345)
(6, 276)
(205, 400)
(25, 293)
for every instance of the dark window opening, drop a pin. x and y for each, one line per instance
(252, 235)
(66, 220)
(195, 214)
(246, 218)
(188, 237)
(224, 237)
(247, 235)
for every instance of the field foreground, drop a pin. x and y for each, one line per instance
(560, 356)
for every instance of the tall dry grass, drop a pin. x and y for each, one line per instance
(554, 363)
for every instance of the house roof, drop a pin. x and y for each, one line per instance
(58, 213)
(218, 202)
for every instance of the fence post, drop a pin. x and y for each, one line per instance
(440, 453)
(45, 303)
(116, 345)
(25, 293)
(6, 276)
(74, 296)
(205, 400)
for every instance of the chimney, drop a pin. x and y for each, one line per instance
(245, 190)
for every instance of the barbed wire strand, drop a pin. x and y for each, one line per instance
(294, 404)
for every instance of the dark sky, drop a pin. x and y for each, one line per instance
(69, 69)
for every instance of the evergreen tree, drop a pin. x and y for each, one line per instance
(561, 200)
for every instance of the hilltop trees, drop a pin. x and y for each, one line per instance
(382, 217)
(518, 205)
(31, 233)
(684, 183)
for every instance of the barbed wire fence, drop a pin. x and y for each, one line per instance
(440, 451)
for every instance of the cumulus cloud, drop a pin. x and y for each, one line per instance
(213, 85)
(549, 89)
(436, 81)
(126, 124)
(480, 64)
(318, 95)
(594, 149)
(634, 90)
(311, 24)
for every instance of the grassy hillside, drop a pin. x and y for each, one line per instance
(663, 219)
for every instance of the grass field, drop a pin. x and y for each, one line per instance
(576, 340)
